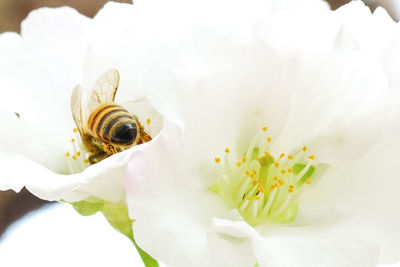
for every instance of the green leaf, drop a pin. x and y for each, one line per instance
(117, 215)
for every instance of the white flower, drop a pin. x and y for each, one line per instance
(58, 49)
(324, 88)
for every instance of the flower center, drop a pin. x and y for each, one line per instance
(263, 187)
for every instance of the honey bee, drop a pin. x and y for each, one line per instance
(106, 128)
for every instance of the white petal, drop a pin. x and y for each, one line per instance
(332, 67)
(104, 180)
(328, 243)
(340, 112)
(121, 38)
(334, 243)
(368, 188)
(234, 79)
(171, 218)
(39, 70)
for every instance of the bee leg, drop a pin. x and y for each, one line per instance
(94, 158)
(109, 149)
(144, 137)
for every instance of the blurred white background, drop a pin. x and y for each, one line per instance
(56, 235)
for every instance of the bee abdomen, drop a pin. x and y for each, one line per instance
(113, 124)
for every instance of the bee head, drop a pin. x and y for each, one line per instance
(125, 134)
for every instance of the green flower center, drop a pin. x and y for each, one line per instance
(263, 187)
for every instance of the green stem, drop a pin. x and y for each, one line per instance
(117, 215)
(146, 258)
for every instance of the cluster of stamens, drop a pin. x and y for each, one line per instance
(262, 187)
(78, 158)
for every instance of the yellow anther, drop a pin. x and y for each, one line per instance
(267, 154)
(264, 129)
(311, 157)
(244, 159)
(276, 185)
(249, 198)
(259, 181)
(148, 120)
(290, 170)
(247, 173)
(238, 164)
(269, 139)
(67, 154)
(308, 181)
(282, 155)
(281, 182)
(283, 171)
(72, 140)
(257, 197)
(75, 130)
(290, 157)
(78, 154)
(254, 172)
(258, 158)
(217, 160)
(251, 176)
(271, 188)
(276, 178)
(86, 161)
(73, 157)
(304, 148)
(291, 186)
(290, 190)
(277, 165)
(263, 189)
(255, 182)
(227, 150)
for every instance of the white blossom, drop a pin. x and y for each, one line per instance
(56, 50)
(244, 98)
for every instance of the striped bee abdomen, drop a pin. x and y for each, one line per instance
(111, 123)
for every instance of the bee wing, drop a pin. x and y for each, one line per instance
(79, 114)
(104, 89)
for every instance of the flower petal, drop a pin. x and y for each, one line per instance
(340, 91)
(333, 242)
(37, 74)
(170, 217)
(367, 187)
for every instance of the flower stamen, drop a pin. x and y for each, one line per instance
(264, 188)
(77, 159)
